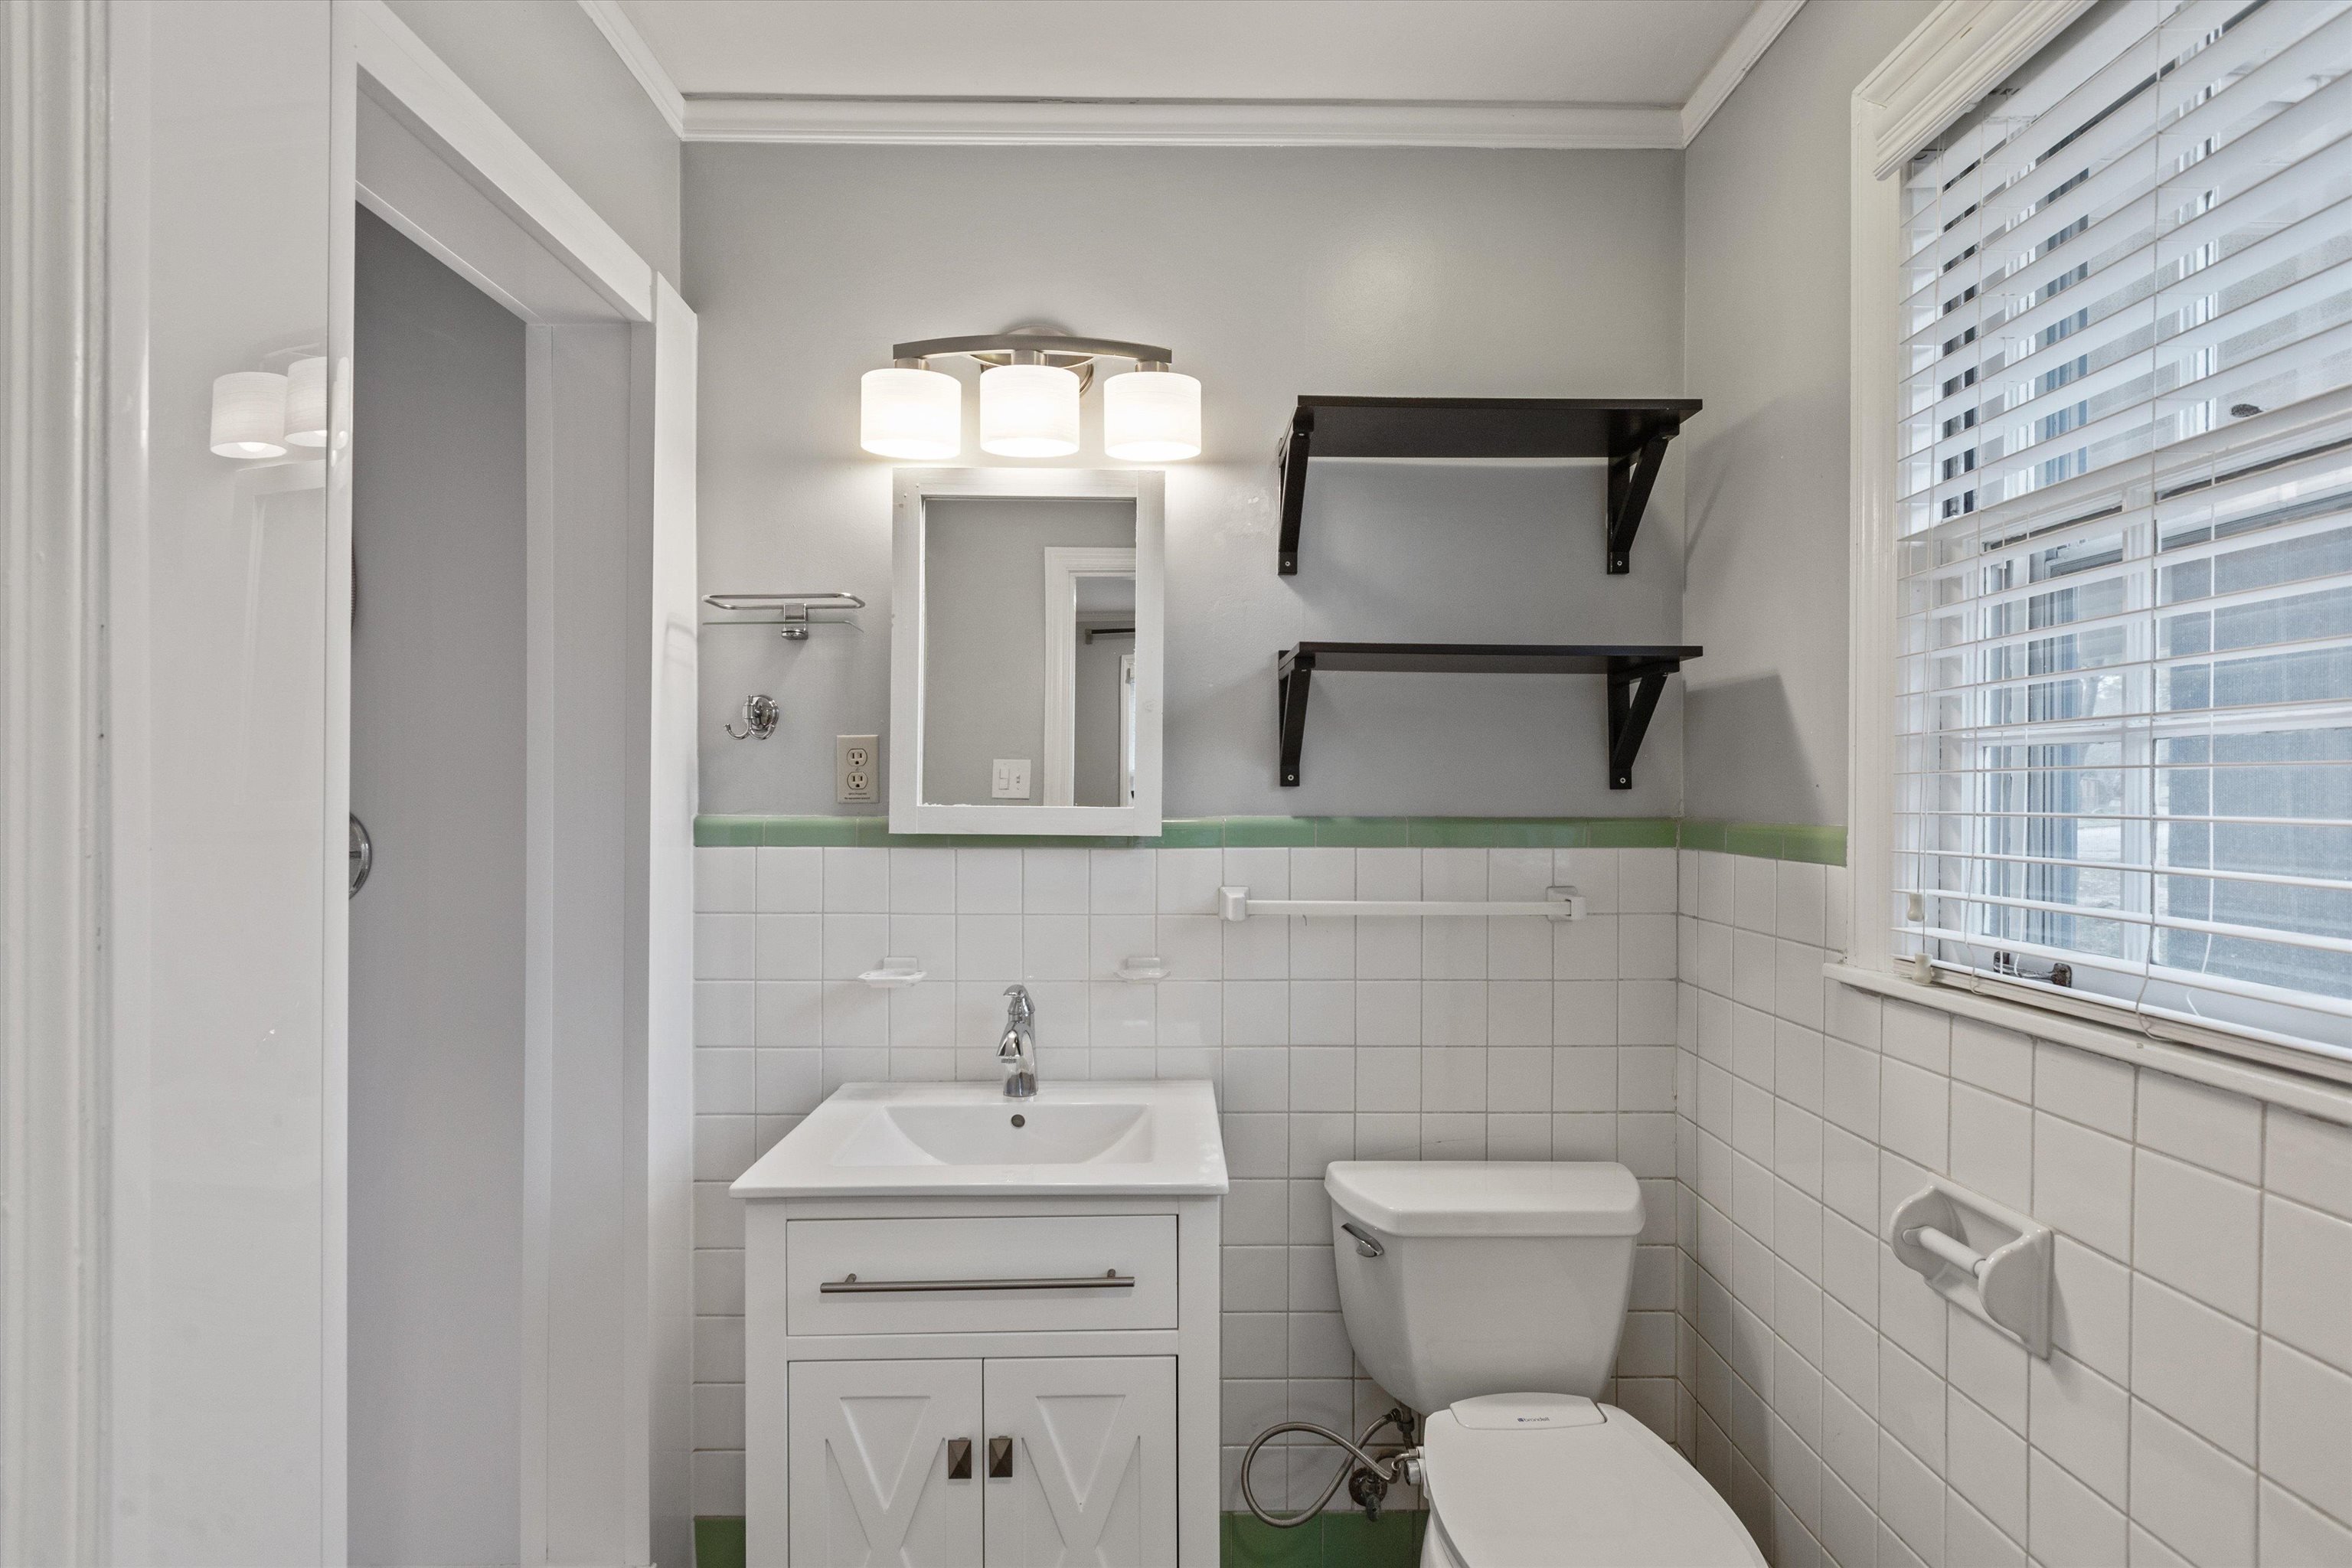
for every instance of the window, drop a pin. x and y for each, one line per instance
(2124, 524)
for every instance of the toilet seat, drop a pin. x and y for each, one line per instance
(1548, 1481)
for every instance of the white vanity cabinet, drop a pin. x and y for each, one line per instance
(988, 1382)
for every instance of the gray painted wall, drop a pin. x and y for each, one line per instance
(1765, 247)
(985, 659)
(544, 67)
(437, 936)
(1271, 273)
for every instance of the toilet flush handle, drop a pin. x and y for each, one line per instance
(1366, 1247)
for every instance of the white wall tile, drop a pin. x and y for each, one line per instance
(726, 881)
(2090, 1308)
(2309, 1161)
(2307, 1280)
(2188, 1493)
(2292, 1532)
(2094, 1090)
(1122, 882)
(1992, 1146)
(857, 881)
(723, 947)
(2220, 1131)
(2070, 1524)
(2306, 1427)
(790, 879)
(2083, 1183)
(1996, 1060)
(2195, 1364)
(1755, 884)
(1915, 1113)
(2081, 1420)
(2198, 1231)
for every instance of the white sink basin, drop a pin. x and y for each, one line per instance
(900, 1140)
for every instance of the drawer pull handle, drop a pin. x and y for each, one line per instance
(1000, 1457)
(851, 1285)
(959, 1459)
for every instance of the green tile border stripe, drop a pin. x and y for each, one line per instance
(1770, 841)
(1767, 841)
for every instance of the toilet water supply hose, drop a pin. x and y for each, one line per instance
(1369, 1480)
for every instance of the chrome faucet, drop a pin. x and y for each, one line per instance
(1016, 1052)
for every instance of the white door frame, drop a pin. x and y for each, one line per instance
(90, 1469)
(1064, 564)
(609, 379)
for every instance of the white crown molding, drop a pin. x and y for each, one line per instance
(1959, 53)
(1732, 65)
(1175, 123)
(639, 56)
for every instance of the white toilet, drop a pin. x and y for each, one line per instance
(1489, 1297)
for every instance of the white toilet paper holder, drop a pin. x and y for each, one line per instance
(1990, 1261)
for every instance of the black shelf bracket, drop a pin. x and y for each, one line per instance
(1636, 676)
(1631, 434)
(1293, 677)
(1632, 474)
(1296, 450)
(1634, 692)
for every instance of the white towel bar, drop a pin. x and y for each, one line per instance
(1557, 904)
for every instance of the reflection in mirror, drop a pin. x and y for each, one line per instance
(1029, 651)
(1101, 684)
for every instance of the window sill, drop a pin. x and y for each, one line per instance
(2313, 1096)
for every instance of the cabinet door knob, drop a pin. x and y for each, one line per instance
(1000, 1457)
(959, 1459)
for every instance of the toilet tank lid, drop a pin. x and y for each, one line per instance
(1487, 1197)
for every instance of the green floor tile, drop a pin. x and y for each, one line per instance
(718, 1543)
(1355, 1541)
(1246, 1543)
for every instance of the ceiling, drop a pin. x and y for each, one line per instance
(1551, 52)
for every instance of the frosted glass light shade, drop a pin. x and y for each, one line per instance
(908, 412)
(1151, 416)
(1029, 411)
(250, 414)
(306, 401)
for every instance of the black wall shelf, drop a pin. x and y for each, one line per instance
(1631, 432)
(1636, 677)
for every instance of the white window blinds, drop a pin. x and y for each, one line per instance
(2123, 523)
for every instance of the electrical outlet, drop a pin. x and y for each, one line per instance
(1011, 779)
(856, 768)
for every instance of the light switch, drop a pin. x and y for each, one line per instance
(1012, 779)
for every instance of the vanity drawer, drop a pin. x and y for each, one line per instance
(979, 1276)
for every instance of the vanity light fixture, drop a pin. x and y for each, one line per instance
(250, 414)
(1029, 399)
(910, 411)
(306, 401)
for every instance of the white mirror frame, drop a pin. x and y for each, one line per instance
(913, 490)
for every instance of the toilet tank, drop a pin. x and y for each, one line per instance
(1462, 1278)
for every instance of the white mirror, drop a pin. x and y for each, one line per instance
(1025, 652)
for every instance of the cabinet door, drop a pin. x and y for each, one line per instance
(870, 1463)
(1093, 1462)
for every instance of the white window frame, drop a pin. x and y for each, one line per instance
(1964, 49)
